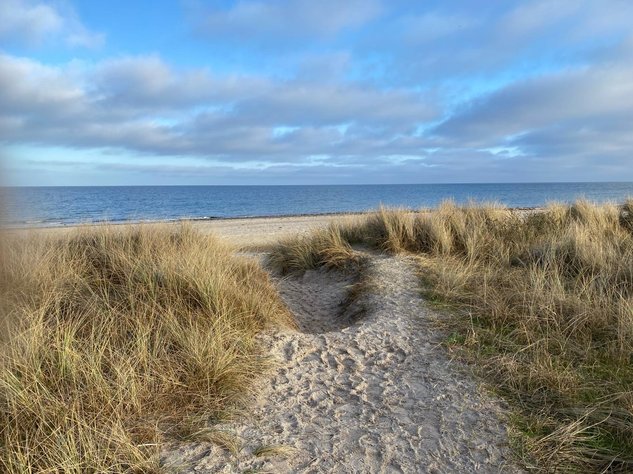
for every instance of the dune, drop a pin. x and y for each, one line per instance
(371, 375)
(362, 386)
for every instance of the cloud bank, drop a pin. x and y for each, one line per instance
(381, 92)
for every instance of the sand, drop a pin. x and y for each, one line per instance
(241, 232)
(360, 391)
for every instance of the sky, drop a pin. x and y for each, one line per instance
(315, 92)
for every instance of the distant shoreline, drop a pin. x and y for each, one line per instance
(64, 207)
(242, 232)
(26, 226)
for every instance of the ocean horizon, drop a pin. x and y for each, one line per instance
(52, 206)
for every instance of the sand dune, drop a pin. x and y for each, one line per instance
(360, 394)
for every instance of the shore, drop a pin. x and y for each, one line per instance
(239, 231)
(365, 312)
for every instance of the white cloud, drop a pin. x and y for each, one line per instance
(32, 23)
(146, 81)
(590, 98)
(459, 40)
(143, 104)
(260, 22)
(549, 88)
(29, 87)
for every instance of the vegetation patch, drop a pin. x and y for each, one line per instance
(542, 301)
(116, 340)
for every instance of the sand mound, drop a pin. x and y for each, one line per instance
(370, 394)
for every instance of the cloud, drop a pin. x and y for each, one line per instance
(457, 40)
(575, 122)
(258, 23)
(361, 91)
(32, 23)
(142, 104)
(596, 99)
(147, 82)
(29, 88)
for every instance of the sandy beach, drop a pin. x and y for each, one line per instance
(364, 387)
(240, 232)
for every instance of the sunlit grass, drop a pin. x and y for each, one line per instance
(115, 340)
(541, 301)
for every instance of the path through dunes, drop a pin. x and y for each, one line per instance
(370, 393)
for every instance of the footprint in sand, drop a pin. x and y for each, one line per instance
(375, 394)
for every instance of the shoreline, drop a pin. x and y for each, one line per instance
(175, 220)
(241, 232)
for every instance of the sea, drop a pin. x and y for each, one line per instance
(62, 206)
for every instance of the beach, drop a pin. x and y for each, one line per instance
(240, 232)
(362, 385)
(378, 344)
(316, 237)
(360, 382)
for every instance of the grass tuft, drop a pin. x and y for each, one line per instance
(323, 248)
(114, 340)
(223, 438)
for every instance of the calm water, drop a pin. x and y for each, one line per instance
(55, 206)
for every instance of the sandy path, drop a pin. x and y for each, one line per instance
(375, 394)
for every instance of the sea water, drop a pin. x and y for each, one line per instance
(59, 206)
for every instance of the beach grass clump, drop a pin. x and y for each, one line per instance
(115, 340)
(543, 303)
(328, 247)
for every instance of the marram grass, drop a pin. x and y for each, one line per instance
(541, 301)
(115, 340)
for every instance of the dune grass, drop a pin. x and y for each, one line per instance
(114, 341)
(327, 247)
(541, 301)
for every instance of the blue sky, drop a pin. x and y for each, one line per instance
(304, 92)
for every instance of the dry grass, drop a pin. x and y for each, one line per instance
(114, 340)
(327, 247)
(543, 303)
